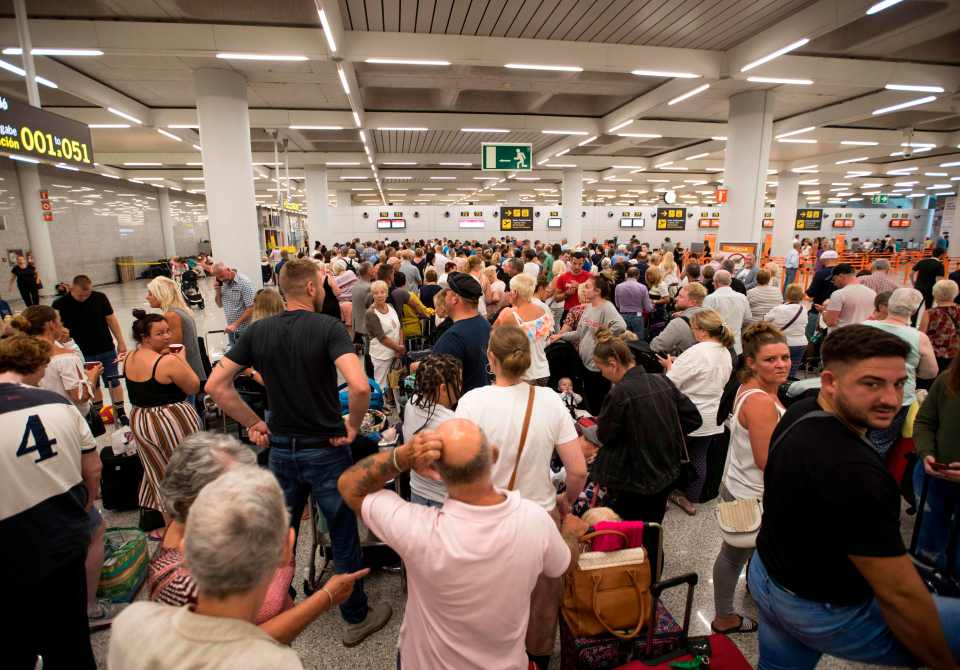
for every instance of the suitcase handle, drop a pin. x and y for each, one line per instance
(690, 579)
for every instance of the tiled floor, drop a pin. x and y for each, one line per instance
(691, 544)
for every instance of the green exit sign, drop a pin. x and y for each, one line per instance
(878, 199)
(507, 157)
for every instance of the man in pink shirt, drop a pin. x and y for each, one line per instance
(471, 564)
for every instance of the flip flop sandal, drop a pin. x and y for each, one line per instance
(747, 625)
(689, 509)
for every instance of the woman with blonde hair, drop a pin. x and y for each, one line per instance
(164, 294)
(493, 288)
(700, 373)
(267, 303)
(534, 320)
(386, 334)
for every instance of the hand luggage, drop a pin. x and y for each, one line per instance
(124, 566)
(724, 655)
(120, 480)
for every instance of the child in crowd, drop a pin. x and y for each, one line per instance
(570, 398)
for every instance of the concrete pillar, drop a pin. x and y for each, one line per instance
(572, 200)
(785, 214)
(166, 223)
(749, 134)
(38, 232)
(344, 200)
(228, 169)
(318, 218)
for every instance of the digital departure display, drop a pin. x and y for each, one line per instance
(29, 131)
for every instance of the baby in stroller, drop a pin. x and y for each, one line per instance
(190, 288)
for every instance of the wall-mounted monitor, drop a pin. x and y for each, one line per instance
(554, 222)
(383, 224)
(899, 223)
(472, 223)
(398, 224)
(626, 223)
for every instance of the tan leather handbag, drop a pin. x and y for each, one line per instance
(608, 591)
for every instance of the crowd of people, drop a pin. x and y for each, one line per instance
(548, 380)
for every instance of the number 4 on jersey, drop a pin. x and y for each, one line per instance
(42, 444)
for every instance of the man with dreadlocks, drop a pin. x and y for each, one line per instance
(439, 385)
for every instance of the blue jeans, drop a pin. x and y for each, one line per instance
(941, 508)
(813, 318)
(634, 324)
(315, 471)
(789, 275)
(426, 502)
(796, 355)
(796, 632)
(110, 370)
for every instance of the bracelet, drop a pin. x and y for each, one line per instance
(393, 460)
(329, 595)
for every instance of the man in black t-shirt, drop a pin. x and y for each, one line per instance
(925, 274)
(467, 339)
(831, 575)
(25, 276)
(89, 316)
(299, 353)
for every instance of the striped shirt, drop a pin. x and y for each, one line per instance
(762, 299)
(879, 282)
(237, 296)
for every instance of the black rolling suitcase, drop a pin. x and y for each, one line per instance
(943, 581)
(120, 480)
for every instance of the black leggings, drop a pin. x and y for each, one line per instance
(30, 295)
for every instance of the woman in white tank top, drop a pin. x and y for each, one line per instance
(756, 411)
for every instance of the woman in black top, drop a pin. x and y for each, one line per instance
(27, 279)
(641, 426)
(158, 383)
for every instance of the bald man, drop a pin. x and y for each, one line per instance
(471, 564)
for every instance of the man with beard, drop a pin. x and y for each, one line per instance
(831, 575)
(299, 354)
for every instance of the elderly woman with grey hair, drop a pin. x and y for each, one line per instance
(236, 537)
(200, 459)
(921, 361)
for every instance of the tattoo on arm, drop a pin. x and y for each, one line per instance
(371, 474)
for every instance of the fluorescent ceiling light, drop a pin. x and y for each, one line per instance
(398, 163)
(858, 143)
(939, 187)
(356, 118)
(342, 163)
(919, 145)
(562, 153)
(64, 166)
(914, 87)
(780, 80)
(271, 57)
(410, 129)
(298, 127)
(187, 178)
(108, 125)
(620, 125)
(24, 159)
(456, 164)
(406, 61)
(564, 132)
(152, 178)
(859, 159)
(552, 68)
(174, 126)
(880, 6)
(650, 136)
(951, 164)
(139, 164)
(23, 73)
(775, 54)
(343, 80)
(904, 105)
(797, 140)
(169, 134)
(587, 141)
(124, 115)
(430, 188)
(696, 156)
(327, 32)
(664, 73)
(936, 174)
(560, 165)
(17, 51)
(197, 147)
(484, 130)
(689, 94)
(797, 132)
(443, 178)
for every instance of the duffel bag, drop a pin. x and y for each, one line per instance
(124, 566)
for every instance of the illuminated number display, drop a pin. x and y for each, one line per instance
(29, 131)
(516, 218)
(671, 218)
(809, 219)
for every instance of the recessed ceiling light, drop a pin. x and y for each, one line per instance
(796, 132)
(17, 51)
(914, 87)
(904, 105)
(859, 159)
(456, 164)
(405, 61)
(649, 136)
(405, 129)
(780, 80)
(169, 135)
(306, 127)
(139, 164)
(696, 156)
(552, 68)
(267, 57)
(564, 132)
(620, 125)
(108, 125)
(859, 143)
(882, 5)
(124, 115)
(665, 74)
(484, 130)
(796, 140)
(775, 54)
(689, 94)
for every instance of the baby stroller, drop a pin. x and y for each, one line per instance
(190, 289)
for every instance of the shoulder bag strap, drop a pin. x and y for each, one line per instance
(795, 317)
(817, 414)
(523, 436)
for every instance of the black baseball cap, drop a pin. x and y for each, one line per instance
(464, 285)
(843, 269)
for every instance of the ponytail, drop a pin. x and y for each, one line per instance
(510, 346)
(33, 320)
(610, 346)
(710, 322)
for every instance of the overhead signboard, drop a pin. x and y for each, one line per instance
(29, 131)
(879, 199)
(742, 248)
(720, 195)
(809, 219)
(554, 221)
(708, 223)
(671, 218)
(507, 157)
(767, 223)
(843, 223)
(516, 218)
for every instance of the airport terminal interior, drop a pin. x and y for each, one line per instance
(737, 167)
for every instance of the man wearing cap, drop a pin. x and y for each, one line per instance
(467, 338)
(851, 303)
(820, 289)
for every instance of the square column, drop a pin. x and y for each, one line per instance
(749, 134)
(785, 214)
(572, 200)
(228, 169)
(166, 223)
(318, 216)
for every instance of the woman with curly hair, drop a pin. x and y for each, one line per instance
(437, 389)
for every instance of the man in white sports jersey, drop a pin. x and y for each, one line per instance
(49, 474)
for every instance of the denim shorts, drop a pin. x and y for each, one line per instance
(111, 372)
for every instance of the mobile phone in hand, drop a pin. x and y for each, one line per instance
(940, 466)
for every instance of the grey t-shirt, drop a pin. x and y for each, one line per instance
(592, 319)
(191, 347)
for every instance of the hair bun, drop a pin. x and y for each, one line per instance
(21, 323)
(139, 314)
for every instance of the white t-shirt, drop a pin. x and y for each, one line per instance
(470, 572)
(733, 308)
(65, 373)
(499, 411)
(854, 302)
(781, 315)
(416, 419)
(700, 373)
